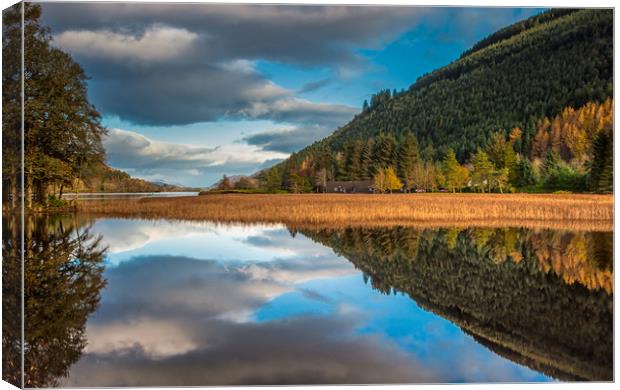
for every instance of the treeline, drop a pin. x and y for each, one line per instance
(513, 79)
(572, 152)
(102, 178)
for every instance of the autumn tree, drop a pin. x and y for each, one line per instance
(482, 174)
(500, 179)
(246, 183)
(379, 180)
(452, 171)
(391, 180)
(225, 184)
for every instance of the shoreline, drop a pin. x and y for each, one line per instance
(566, 212)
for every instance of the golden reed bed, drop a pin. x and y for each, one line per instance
(579, 212)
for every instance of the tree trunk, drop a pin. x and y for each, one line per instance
(14, 191)
(28, 192)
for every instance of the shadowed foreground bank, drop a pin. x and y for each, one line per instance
(579, 212)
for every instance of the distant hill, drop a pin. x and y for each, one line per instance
(513, 78)
(103, 178)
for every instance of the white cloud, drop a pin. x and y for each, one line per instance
(157, 43)
(128, 149)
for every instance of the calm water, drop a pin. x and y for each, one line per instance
(125, 195)
(134, 302)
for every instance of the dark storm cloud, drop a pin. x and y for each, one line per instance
(306, 35)
(288, 140)
(165, 64)
(314, 85)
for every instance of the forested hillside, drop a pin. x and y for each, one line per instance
(534, 69)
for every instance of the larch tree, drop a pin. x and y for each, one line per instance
(391, 180)
(452, 171)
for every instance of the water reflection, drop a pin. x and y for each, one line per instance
(63, 267)
(11, 299)
(198, 303)
(541, 298)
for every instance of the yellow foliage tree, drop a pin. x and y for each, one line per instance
(386, 180)
(391, 180)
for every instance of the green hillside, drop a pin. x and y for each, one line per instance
(512, 79)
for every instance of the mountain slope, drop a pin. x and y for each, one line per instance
(513, 78)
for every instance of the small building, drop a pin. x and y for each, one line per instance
(350, 187)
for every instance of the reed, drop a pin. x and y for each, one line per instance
(582, 212)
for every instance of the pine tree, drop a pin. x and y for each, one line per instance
(600, 172)
(354, 161)
(385, 149)
(524, 173)
(408, 157)
(366, 165)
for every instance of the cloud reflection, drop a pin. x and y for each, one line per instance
(298, 315)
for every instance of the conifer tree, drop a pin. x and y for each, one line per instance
(408, 157)
(600, 172)
(366, 165)
(452, 171)
(482, 174)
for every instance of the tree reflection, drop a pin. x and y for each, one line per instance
(541, 298)
(63, 274)
(11, 299)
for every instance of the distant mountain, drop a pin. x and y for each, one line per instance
(102, 178)
(513, 78)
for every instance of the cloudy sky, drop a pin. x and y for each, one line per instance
(193, 91)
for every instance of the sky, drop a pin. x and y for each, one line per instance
(190, 92)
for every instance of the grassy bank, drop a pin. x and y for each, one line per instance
(583, 212)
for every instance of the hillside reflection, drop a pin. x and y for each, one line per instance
(63, 265)
(543, 299)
